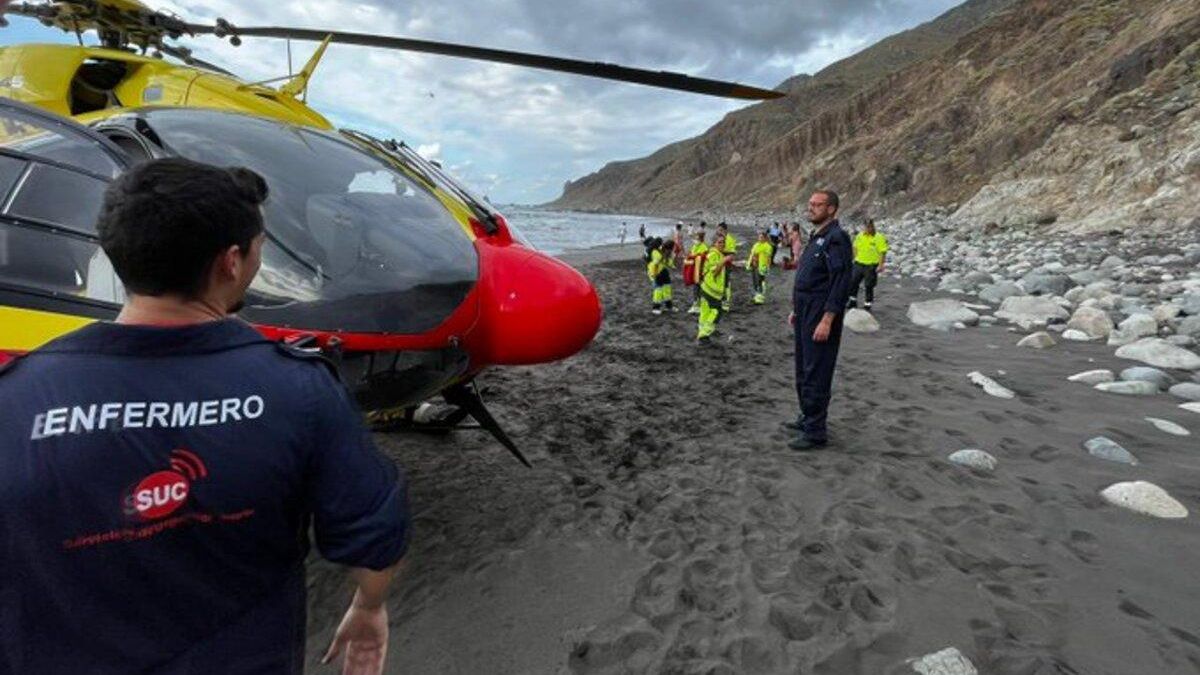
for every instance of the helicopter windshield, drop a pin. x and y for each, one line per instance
(355, 244)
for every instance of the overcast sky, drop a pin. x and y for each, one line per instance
(519, 134)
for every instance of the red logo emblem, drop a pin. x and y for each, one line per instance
(162, 492)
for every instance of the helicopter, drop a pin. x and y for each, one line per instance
(375, 256)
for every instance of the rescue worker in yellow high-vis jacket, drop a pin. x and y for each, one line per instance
(658, 268)
(712, 287)
(695, 260)
(759, 263)
(728, 245)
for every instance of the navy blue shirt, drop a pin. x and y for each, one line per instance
(825, 269)
(157, 487)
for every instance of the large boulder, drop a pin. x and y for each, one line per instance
(1147, 374)
(1160, 353)
(997, 292)
(1188, 391)
(860, 321)
(1028, 311)
(1091, 320)
(941, 312)
(1139, 325)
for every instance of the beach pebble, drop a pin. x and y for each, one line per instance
(990, 386)
(1135, 388)
(943, 311)
(1144, 497)
(860, 321)
(1147, 374)
(1160, 353)
(1190, 407)
(1039, 340)
(975, 459)
(1188, 391)
(1168, 426)
(1093, 376)
(1106, 448)
(1076, 335)
(948, 661)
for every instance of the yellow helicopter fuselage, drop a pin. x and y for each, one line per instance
(55, 77)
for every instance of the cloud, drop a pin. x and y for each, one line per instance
(519, 134)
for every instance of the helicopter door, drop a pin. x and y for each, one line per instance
(53, 173)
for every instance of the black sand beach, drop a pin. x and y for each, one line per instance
(665, 527)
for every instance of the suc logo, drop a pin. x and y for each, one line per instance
(162, 492)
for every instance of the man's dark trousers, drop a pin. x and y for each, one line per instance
(868, 273)
(814, 364)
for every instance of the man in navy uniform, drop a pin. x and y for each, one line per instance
(159, 475)
(818, 299)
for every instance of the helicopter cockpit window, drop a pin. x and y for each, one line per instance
(38, 138)
(354, 243)
(60, 198)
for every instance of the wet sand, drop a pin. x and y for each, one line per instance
(665, 526)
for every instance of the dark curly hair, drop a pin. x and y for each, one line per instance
(165, 221)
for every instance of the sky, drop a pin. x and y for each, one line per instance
(519, 134)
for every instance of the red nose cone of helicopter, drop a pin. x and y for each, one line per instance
(535, 308)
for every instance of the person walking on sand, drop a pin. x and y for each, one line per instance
(759, 263)
(162, 475)
(713, 275)
(819, 296)
(728, 245)
(661, 259)
(642, 232)
(870, 253)
(624, 233)
(678, 240)
(695, 262)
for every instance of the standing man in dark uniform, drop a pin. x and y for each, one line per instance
(160, 475)
(818, 300)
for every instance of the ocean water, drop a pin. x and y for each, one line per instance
(560, 231)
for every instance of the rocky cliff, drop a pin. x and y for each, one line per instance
(1074, 114)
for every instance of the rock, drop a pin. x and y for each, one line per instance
(1106, 448)
(1120, 338)
(1036, 283)
(1188, 391)
(1027, 310)
(1191, 407)
(1189, 303)
(1144, 374)
(1164, 313)
(1040, 340)
(1139, 325)
(990, 386)
(944, 311)
(860, 321)
(1092, 376)
(948, 661)
(1076, 335)
(1181, 340)
(1129, 388)
(975, 459)
(998, 292)
(1091, 320)
(1143, 497)
(1112, 262)
(1189, 326)
(1160, 353)
(1168, 426)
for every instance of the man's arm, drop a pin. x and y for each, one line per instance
(363, 632)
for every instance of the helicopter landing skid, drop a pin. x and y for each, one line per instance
(466, 402)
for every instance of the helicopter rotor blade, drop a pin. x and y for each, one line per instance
(662, 79)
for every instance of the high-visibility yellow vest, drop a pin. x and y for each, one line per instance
(712, 278)
(869, 249)
(760, 255)
(655, 265)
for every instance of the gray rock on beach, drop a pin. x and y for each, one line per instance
(1160, 353)
(996, 293)
(1076, 335)
(990, 386)
(1106, 448)
(860, 321)
(1039, 340)
(1191, 407)
(1028, 311)
(1167, 426)
(948, 661)
(1135, 388)
(1145, 498)
(1139, 325)
(1093, 376)
(1091, 320)
(943, 311)
(1147, 374)
(1188, 391)
(974, 459)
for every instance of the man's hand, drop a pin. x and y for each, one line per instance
(792, 319)
(879, 270)
(363, 634)
(821, 334)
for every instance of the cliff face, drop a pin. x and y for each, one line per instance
(1043, 111)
